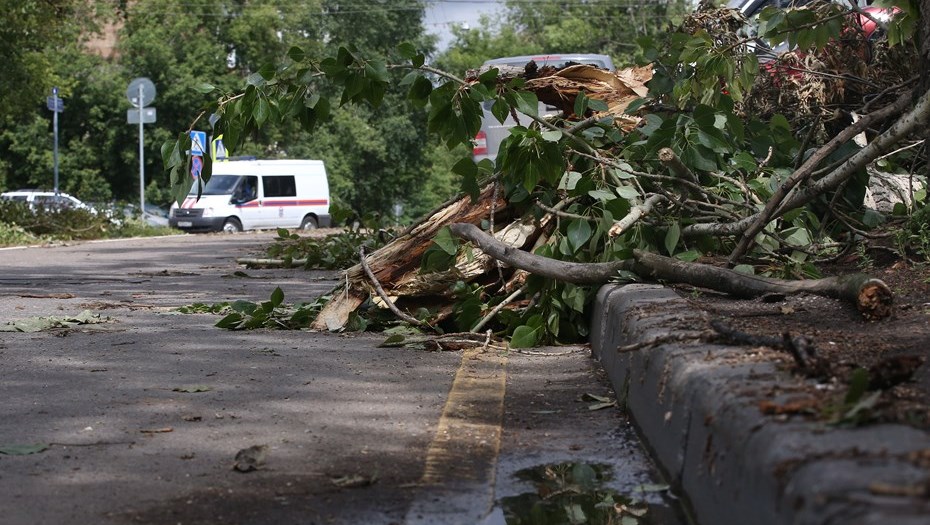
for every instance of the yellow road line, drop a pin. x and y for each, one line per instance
(463, 454)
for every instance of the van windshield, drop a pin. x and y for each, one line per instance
(218, 185)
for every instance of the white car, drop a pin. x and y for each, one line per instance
(46, 199)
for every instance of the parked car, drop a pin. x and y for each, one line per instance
(46, 199)
(488, 140)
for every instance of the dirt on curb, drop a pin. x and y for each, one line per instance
(893, 352)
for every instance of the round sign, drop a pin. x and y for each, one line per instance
(141, 92)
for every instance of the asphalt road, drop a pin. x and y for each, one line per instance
(143, 418)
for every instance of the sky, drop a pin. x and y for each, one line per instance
(441, 15)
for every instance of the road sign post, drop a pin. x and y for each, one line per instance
(141, 91)
(56, 105)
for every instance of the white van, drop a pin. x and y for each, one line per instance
(257, 194)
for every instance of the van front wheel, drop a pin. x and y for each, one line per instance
(232, 226)
(309, 223)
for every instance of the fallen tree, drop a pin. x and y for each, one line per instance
(628, 180)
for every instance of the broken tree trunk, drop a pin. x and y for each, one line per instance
(871, 296)
(400, 258)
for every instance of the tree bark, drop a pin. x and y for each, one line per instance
(871, 296)
(399, 258)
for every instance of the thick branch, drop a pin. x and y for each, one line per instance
(871, 296)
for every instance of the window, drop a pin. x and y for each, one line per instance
(279, 186)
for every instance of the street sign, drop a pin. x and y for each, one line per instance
(56, 104)
(196, 166)
(141, 92)
(219, 149)
(148, 116)
(198, 142)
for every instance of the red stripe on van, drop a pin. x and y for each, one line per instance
(314, 202)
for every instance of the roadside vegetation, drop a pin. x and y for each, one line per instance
(22, 226)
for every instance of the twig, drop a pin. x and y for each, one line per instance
(384, 296)
(494, 311)
(661, 340)
(563, 214)
(801, 347)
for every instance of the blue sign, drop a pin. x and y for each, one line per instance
(198, 142)
(56, 104)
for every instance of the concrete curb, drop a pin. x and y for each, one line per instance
(696, 407)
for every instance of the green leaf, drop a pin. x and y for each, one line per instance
(552, 135)
(24, 450)
(858, 386)
(407, 50)
(204, 88)
(466, 167)
(446, 242)
(597, 105)
(420, 90)
(527, 103)
(525, 337)
(581, 104)
(688, 256)
(569, 180)
(671, 238)
(230, 321)
(393, 341)
(296, 54)
(500, 109)
(277, 297)
(627, 192)
(579, 232)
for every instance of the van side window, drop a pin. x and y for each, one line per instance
(279, 186)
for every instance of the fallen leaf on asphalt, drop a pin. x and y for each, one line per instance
(601, 402)
(38, 324)
(191, 389)
(157, 430)
(24, 450)
(249, 459)
(353, 481)
(191, 418)
(47, 296)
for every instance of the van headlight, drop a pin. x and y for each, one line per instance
(208, 212)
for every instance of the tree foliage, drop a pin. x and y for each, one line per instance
(688, 181)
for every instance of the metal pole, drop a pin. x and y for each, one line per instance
(141, 159)
(55, 129)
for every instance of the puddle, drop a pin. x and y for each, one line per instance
(579, 493)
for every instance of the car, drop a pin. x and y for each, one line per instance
(48, 200)
(488, 140)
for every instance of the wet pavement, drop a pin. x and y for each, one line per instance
(144, 418)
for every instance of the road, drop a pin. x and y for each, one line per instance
(143, 416)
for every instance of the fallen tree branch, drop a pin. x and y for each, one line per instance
(805, 171)
(912, 122)
(871, 296)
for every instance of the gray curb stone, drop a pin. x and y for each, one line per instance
(696, 407)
